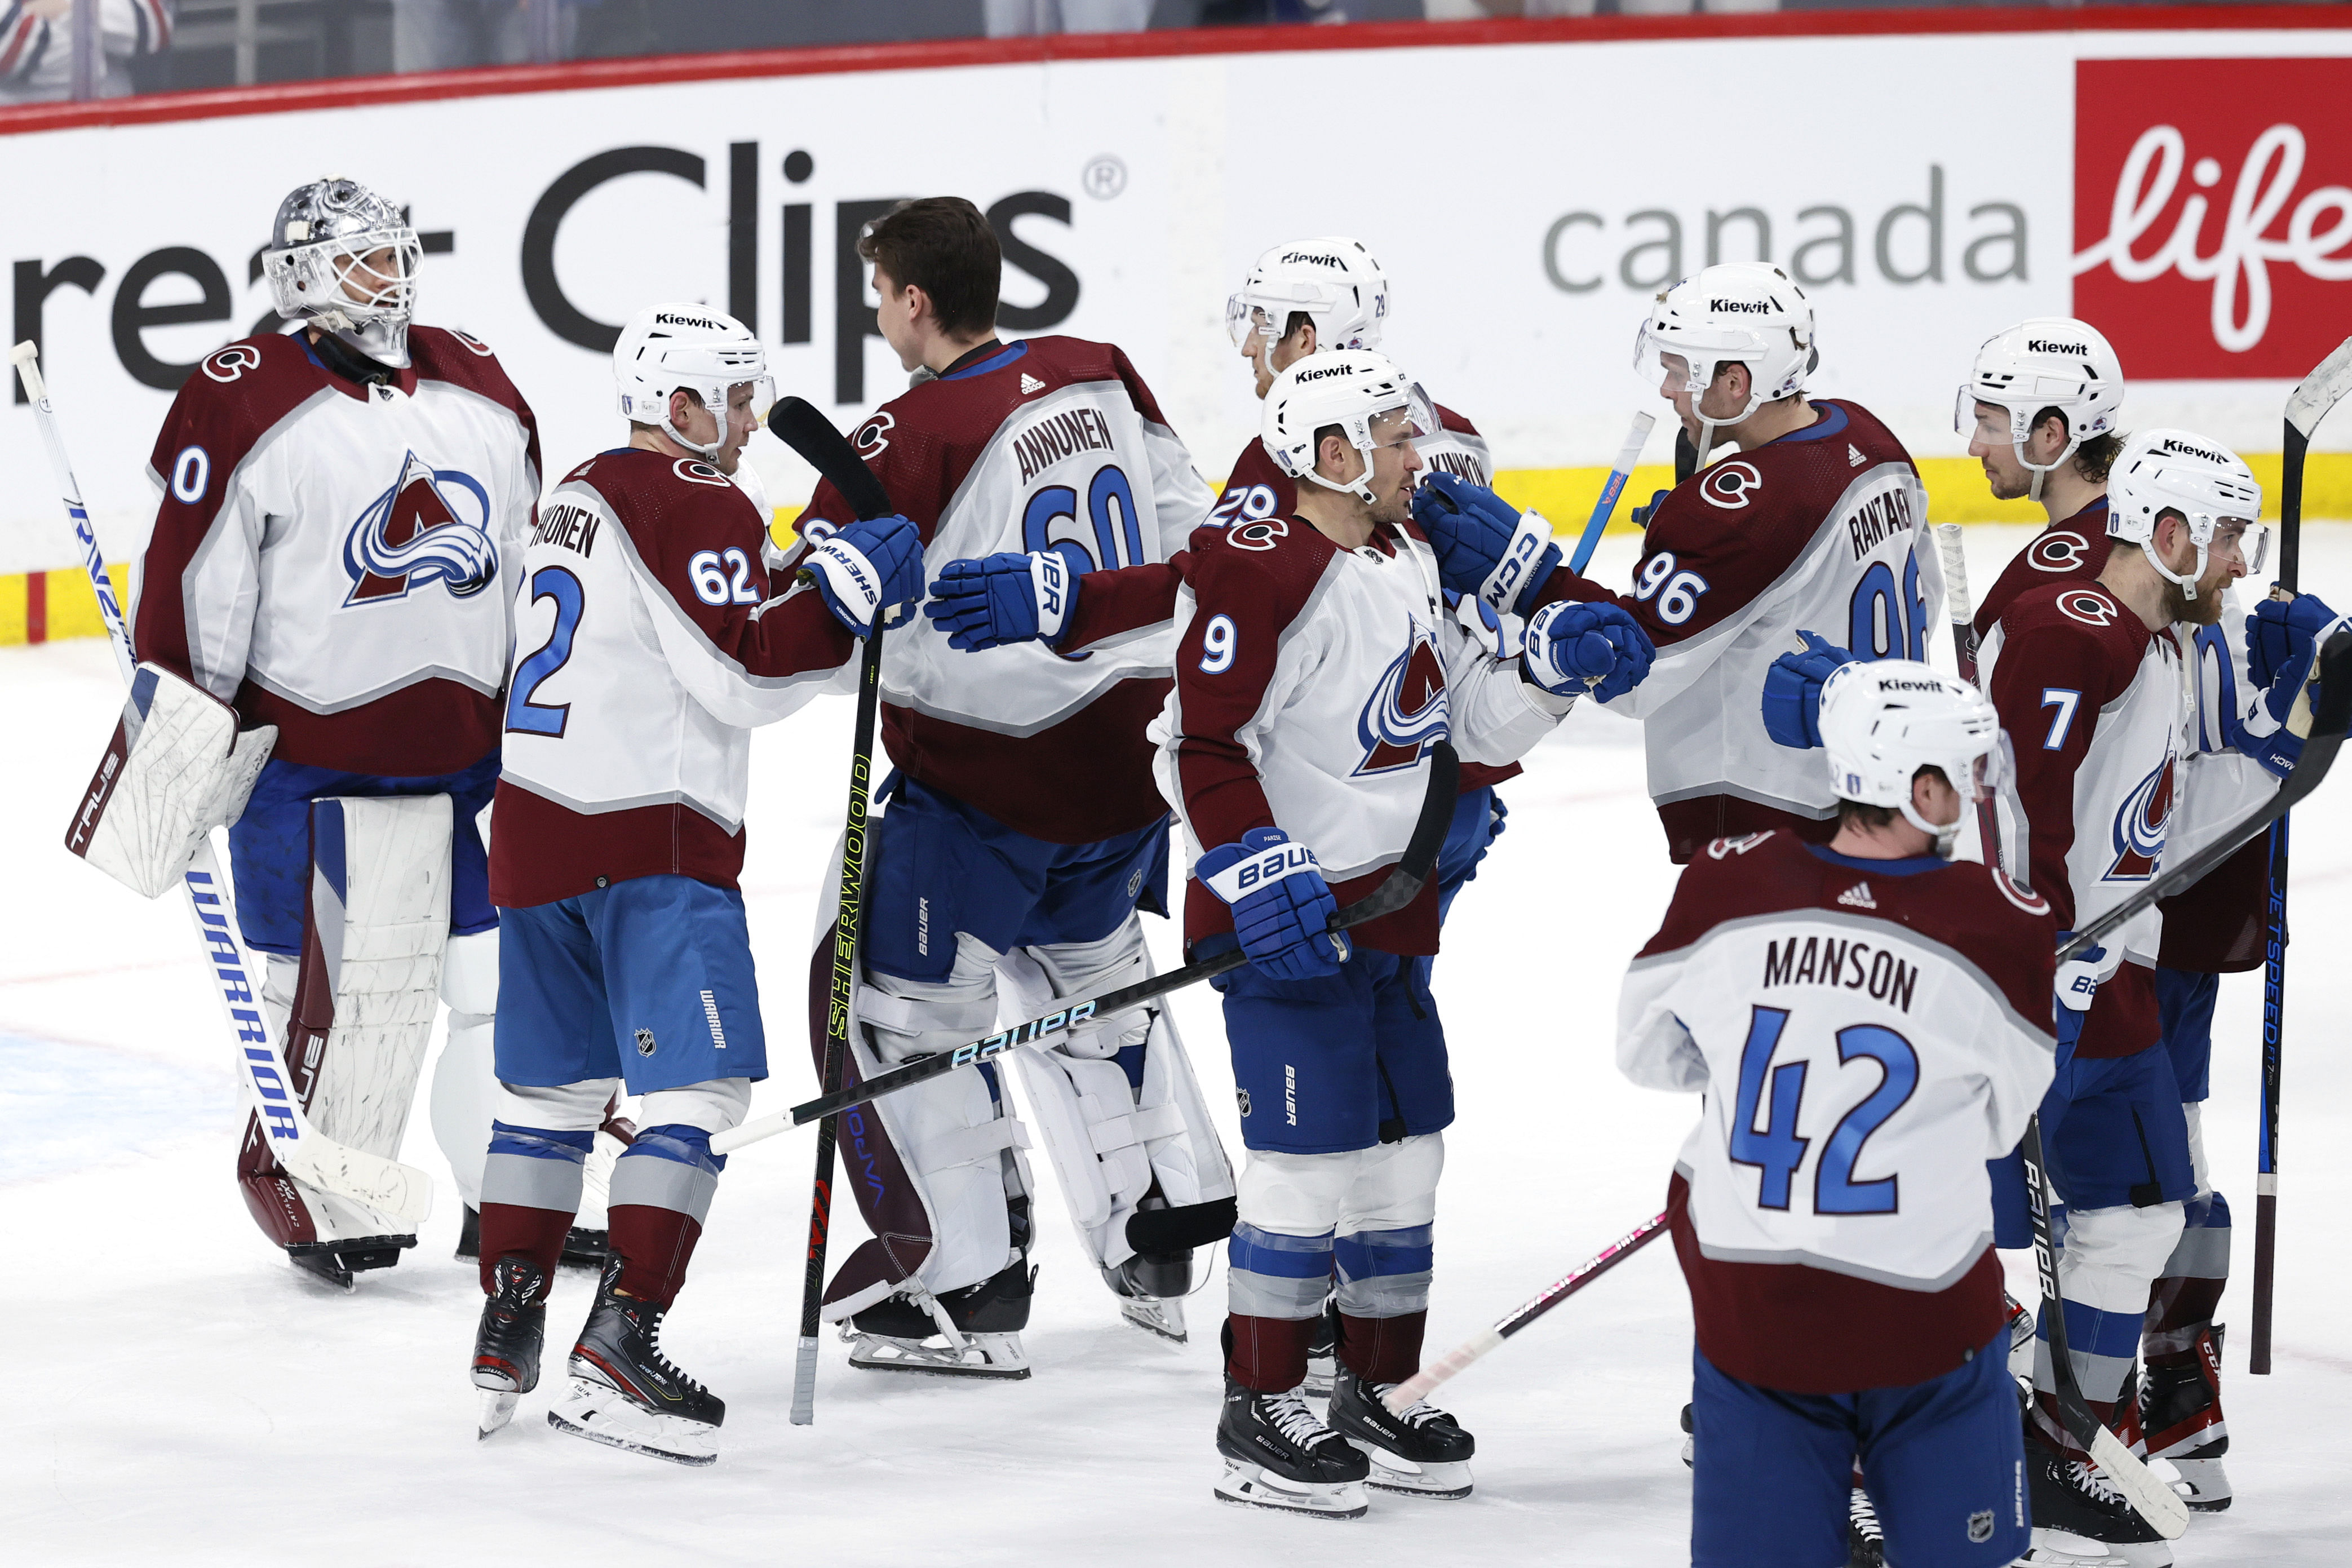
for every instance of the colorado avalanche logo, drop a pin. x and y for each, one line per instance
(410, 538)
(1407, 711)
(2140, 827)
(2064, 551)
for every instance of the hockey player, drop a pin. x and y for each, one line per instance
(2040, 406)
(1869, 1023)
(1315, 665)
(1022, 835)
(650, 648)
(1818, 523)
(334, 553)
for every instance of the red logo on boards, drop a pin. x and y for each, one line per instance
(2212, 217)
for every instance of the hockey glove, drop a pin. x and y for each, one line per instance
(1793, 692)
(1485, 545)
(1282, 907)
(2282, 632)
(1643, 514)
(2282, 653)
(2079, 979)
(868, 567)
(1008, 598)
(1574, 648)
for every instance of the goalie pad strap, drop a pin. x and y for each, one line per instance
(176, 768)
(1114, 1131)
(946, 1148)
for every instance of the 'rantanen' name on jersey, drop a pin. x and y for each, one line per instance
(1887, 512)
(1073, 430)
(1828, 960)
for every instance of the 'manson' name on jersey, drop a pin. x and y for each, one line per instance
(1050, 441)
(1824, 530)
(340, 560)
(1867, 1035)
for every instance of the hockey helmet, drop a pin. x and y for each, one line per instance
(1334, 279)
(321, 235)
(1350, 388)
(2204, 481)
(2047, 361)
(1882, 721)
(691, 348)
(1747, 313)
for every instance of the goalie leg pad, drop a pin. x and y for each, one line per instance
(176, 768)
(465, 1076)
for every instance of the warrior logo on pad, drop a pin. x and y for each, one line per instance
(2140, 826)
(411, 536)
(1407, 711)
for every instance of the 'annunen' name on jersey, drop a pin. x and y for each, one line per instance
(1048, 442)
(1855, 965)
(573, 527)
(1888, 511)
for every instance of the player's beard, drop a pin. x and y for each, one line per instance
(2203, 610)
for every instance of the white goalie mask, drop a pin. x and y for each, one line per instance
(1352, 389)
(315, 262)
(2048, 362)
(2204, 481)
(1883, 721)
(1749, 312)
(691, 348)
(1334, 279)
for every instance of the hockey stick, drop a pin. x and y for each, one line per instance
(799, 426)
(2320, 391)
(1960, 606)
(402, 1192)
(1399, 888)
(1421, 1384)
(1598, 524)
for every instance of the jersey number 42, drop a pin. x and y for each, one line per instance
(1775, 1149)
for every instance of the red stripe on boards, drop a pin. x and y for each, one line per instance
(37, 606)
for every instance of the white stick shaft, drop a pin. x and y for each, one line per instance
(758, 1129)
(1959, 604)
(27, 359)
(1636, 439)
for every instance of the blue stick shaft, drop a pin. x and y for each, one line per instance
(1598, 524)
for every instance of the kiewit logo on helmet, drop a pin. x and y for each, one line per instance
(1896, 683)
(1327, 371)
(1312, 259)
(2049, 346)
(664, 319)
(1739, 307)
(2184, 449)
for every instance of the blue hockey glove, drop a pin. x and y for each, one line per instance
(2079, 979)
(1793, 692)
(1575, 648)
(866, 567)
(1643, 514)
(1281, 904)
(1485, 545)
(2283, 632)
(1008, 598)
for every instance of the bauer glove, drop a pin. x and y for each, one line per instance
(1793, 692)
(1485, 546)
(866, 568)
(1007, 598)
(1282, 907)
(1574, 648)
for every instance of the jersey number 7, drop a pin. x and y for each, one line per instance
(1776, 1151)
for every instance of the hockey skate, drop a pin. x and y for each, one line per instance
(1278, 1456)
(1151, 1291)
(1422, 1453)
(2076, 1498)
(627, 1393)
(335, 1262)
(2021, 1338)
(1865, 1542)
(1323, 1354)
(2181, 1411)
(970, 1332)
(506, 1346)
(2061, 1549)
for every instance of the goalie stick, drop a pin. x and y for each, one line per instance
(1598, 524)
(798, 425)
(399, 1192)
(2320, 391)
(1399, 888)
(1420, 1385)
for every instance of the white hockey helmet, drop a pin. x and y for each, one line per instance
(1747, 311)
(1350, 388)
(1882, 721)
(690, 348)
(322, 232)
(2204, 481)
(2046, 362)
(1334, 279)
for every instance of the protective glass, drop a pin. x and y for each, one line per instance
(1970, 420)
(1245, 322)
(2255, 544)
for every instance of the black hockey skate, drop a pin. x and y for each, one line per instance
(507, 1345)
(2076, 1499)
(1422, 1453)
(581, 1248)
(1279, 1456)
(1865, 1542)
(625, 1393)
(2181, 1411)
(902, 1333)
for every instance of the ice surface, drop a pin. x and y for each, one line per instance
(184, 1396)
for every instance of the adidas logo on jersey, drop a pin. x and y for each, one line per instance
(1854, 458)
(1030, 384)
(1858, 897)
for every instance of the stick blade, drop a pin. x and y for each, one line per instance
(800, 425)
(2321, 390)
(2154, 1501)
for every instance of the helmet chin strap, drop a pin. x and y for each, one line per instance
(1361, 487)
(709, 450)
(1946, 836)
(2188, 585)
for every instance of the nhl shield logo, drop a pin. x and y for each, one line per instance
(645, 1042)
(1981, 1527)
(412, 536)
(1240, 1097)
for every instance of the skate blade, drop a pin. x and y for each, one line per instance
(875, 1354)
(2063, 1548)
(1392, 1473)
(1247, 1485)
(497, 1409)
(591, 1410)
(1162, 1319)
(2203, 1484)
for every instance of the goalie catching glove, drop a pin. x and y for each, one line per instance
(1282, 907)
(177, 768)
(866, 567)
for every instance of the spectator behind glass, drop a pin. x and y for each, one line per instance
(37, 46)
(443, 35)
(1013, 19)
